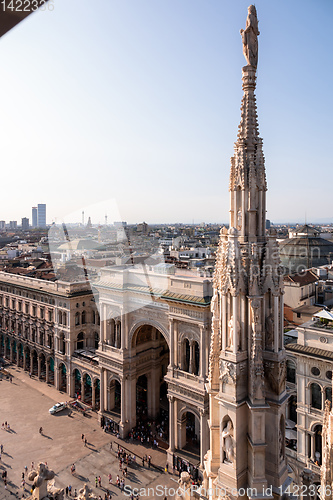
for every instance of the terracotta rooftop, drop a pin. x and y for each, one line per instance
(304, 278)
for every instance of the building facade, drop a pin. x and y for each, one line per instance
(153, 355)
(51, 329)
(41, 215)
(309, 380)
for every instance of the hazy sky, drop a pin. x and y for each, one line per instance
(138, 102)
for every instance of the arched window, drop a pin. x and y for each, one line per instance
(291, 372)
(93, 317)
(186, 355)
(318, 444)
(196, 359)
(60, 317)
(64, 318)
(316, 396)
(328, 394)
(62, 345)
(80, 341)
(77, 319)
(96, 340)
(83, 318)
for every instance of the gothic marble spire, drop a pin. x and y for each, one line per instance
(247, 369)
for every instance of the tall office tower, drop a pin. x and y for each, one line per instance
(25, 224)
(41, 215)
(247, 372)
(34, 217)
(13, 224)
(2, 225)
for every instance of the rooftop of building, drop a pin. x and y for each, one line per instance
(304, 278)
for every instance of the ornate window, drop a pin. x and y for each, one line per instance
(83, 320)
(315, 371)
(316, 396)
(328, 394)
(77, 319)
(80, 341)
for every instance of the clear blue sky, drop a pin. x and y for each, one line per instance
(138, 101)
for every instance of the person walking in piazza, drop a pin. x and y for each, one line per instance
(99, 481)
(96, 481)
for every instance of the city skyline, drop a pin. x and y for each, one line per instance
(139, 112)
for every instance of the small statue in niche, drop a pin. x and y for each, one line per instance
(269, 331)
(214, 305)
(228, 443)
(231, 332)
(239, 220)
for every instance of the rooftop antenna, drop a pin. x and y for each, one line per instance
(82, 217)
(106, 219)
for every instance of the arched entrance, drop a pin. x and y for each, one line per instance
(20, 355)
(189, 433)
(77, 382)
(115, 396)
(141, 395)
(34, 367)
(150, 345)
(87, 389)
(62, 378)
(42, 361)
(27, 358)
(51, 371)
(2, 346)
(7, 348)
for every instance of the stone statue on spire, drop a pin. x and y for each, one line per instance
(250, 37)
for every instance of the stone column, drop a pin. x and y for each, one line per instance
(224, 322)
(122, 402)
(276, 323)
(17, 356)
(171, 448)
(235, 323)
(202, 435)
(31, 363)
(93, 395)
(47, 364)
(202, 357)
(102, 388)
(171, 333)
(39, 365)
(71, 384)
(11, 352)
(191, 364)
(24, 359)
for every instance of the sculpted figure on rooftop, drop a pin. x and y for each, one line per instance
(250, 37)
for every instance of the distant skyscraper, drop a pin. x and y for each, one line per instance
(34, 217)
(13, 224)
(41, 215)
(2, 225)
(25, 224)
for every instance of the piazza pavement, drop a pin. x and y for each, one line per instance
(25, 403)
